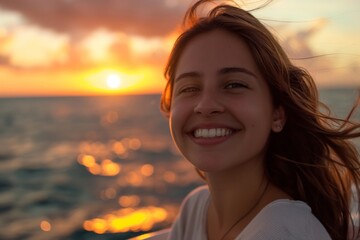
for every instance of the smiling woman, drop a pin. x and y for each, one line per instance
(250, 121)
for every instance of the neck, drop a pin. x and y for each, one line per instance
(234, 191)
(236, 197)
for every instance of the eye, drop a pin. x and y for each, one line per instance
(187, 89)
(232, 85)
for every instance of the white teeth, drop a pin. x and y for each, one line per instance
(213, 132)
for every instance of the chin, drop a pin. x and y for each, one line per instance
(208, 166)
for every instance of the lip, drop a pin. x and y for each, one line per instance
(209, 126)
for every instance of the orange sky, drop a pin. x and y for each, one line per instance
(89, 47)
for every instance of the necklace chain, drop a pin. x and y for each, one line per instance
(247, 213)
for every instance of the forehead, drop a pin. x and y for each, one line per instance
(213, 50)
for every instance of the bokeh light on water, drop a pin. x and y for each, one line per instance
(127, 219)
(114, 158)
(95, 160)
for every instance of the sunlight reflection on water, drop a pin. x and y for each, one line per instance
(101, 159)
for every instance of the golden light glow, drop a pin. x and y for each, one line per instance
(97, 225)
(143, 79)
(134, 178)
(110, 168)
(95, 169)
(169, 176)
(129, 201)
(127, 219)
(147, 170)
(118, 148)
(86, 160)
(134, 144)
(106, 167)
(113, 81)
(45, 226)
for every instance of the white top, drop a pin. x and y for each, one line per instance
(280, 220)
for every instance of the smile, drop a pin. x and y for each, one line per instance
(212, 132)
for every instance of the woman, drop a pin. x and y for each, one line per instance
(249, 121)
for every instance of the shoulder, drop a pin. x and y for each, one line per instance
(287, 219)
(195, 203)
(197, 196)
(190, 221)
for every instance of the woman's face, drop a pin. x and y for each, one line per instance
(221, 111)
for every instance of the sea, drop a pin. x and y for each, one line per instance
(92, 168)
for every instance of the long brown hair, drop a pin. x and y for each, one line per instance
(312, 159)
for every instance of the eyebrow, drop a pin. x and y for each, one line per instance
(222, 71)
(187, 74)
(236, 70)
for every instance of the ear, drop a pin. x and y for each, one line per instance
(279, 119)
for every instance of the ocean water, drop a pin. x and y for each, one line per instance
(96, 167)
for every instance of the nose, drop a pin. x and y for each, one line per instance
(209, 105)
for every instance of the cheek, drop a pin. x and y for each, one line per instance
(257, 117)
(180, 113)
(175, 131)
(172, 124)
(262, 123)
(175, 122)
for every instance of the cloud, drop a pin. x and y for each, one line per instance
(26, 47)
(146, 18)
(326, 67)
(297, 44)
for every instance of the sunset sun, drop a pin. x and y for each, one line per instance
(113, 81)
